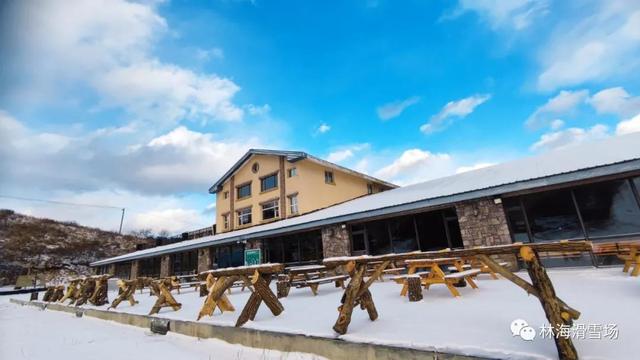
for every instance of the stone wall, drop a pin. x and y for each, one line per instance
(335, 241)
(204, 259)
(484, 223)
(165, 266)
(135, 269)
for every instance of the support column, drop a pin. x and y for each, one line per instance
(204, 259)
(165, 266)
(135, 269)
(483, 223)
(335, 241)
(111, 269)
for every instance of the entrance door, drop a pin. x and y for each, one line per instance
(359, 243)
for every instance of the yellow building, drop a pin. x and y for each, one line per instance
(269, 185)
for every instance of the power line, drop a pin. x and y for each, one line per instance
(60, 202)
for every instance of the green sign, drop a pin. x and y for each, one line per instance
(252, 257)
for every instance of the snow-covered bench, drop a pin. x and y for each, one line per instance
(313, 284)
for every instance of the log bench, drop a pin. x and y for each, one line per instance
(313, 284)
(557, 312)
(256, 277)
(631, 260)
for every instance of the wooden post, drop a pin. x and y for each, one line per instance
(349, 299)
(127, 289)
(262, 288)
(216, 292)
(283, 289)
(547, 296)
(415, 288)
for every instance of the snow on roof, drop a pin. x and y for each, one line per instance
(564, 165)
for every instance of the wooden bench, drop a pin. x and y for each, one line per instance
(313, 284)
(467, 275)
(631, 260)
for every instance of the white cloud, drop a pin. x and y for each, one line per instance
(615, 100)
(628, 126)
(174, 220)
(394, 109)
(556, 124)
(323, 128)
(569, 137)
(563, 103)
(152, 90)
(346, 152)
(512, 14)
(107, 47)
(416, 165)
(255, 110)
(210, 54)
(477, 166)
(604, 44)
(454, 109)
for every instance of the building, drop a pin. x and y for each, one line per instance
(587, 191)
(266, 186)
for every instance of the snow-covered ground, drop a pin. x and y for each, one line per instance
(29, 333)
(478, 323)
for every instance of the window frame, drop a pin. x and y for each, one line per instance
(269, 176)
(225, 221)
(291, 204)
(291, 172)
(225, 194)
(243, 213)
(243, 185)
(274, 205)
(329, 177)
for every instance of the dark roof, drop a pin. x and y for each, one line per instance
(291, 156)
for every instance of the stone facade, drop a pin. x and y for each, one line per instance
(335, 241)
(135, 269)
(204, 259)
(484, 223)
(165, 266)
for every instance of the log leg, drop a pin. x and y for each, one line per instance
(547, 296)
(452, 289)
(314, 289)
(366, 302)
(217, 290)
(470, 281)
(283, 289)
(415, 288)
(270, 299)
(350, 296)
(251, 307)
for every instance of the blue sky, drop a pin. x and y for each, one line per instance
(145, 104)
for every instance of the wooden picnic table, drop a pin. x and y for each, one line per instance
(310, 276)
(257, 279)
(632, 259)
(557, 311)
(435, 274)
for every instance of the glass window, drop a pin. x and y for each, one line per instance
(552, 216)
(291, 250)
(403, 234)
(293, 204)
(431, 231)
(226, 194)
(237, 255)
(369, 189)
(244, 216)
(378, 237)
(517, 222)
(455, 236)
(225, 220)
(328, 177)
(358, 241)
(271, 210)
(269, 182)
(608, 208)
(292, 172)
(223, 257)
(309, 247)
(244, 191)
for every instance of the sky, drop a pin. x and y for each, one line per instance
(144, 105)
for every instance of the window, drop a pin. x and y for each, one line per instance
(271, 210)
(225, 221)
(226, 194)
(431, 231)
(299, 247)
(255, 167)
(244, 191)
(293, 204)
(292, 172)
(378, 237)
(517, 221)
(608, 208)
(369, 189)
(403, 234)
(269, 182)
(358, 240)
(244, 216)
(552, 216)
(328, 177)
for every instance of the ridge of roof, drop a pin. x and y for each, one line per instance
(292, 156)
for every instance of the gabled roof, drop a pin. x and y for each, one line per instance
(616, 155)
(291, 156)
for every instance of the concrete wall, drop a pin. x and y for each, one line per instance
(335, 241)
(165, 266)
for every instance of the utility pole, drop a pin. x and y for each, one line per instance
(121, 220)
